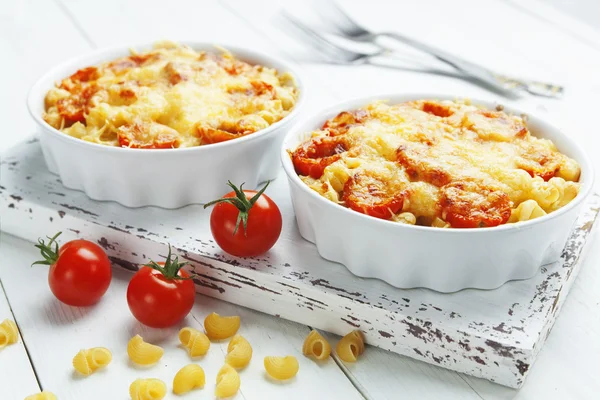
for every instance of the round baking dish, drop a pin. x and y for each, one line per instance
(444, 260)
(168, 178)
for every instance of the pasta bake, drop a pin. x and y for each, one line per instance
(171, 96)
(447, 164)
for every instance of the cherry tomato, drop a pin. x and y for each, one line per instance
(80, 271)
(161, 294)
(245, 223)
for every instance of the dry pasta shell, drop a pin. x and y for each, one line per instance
(316, 346)
(147, 389)
(42, 396)
(218, 327)
(188, 378)
(9, 333)
(281, 368)
(80, 363)
(351, 346)
(143, 353)
(195, 341)
(98, 357)
(239, 352)
(228, 381)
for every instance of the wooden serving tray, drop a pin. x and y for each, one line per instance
(493, 334)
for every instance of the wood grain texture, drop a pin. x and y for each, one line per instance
(47, 322)
(21, 380)
(571, 345)
(491, 334)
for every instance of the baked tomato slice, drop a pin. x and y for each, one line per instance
(341, 123)
(467, 204)
(212, 135)
(74, 107)
(313, 156)
(371, 195)
(539, 161)
(147, 135)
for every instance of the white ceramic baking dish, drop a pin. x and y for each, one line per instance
(168, 178)
(445, 260)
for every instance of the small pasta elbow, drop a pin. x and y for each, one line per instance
(316, 346)
(218, 327)
(239, 352)
(351, 346)
(228, 382)
(281, 368)
(189, 378)
(143, 353)
(147, 389)
(196, 342)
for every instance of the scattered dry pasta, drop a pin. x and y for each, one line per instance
(316, 345)
(239, 352)
(195, 341)
(88, 361)
(351, 346)
(42, 396)
(188, 378)
(228, 381)
(281, 368)
(218, 327)
(143, 353)
(9, 333)
(147, 389)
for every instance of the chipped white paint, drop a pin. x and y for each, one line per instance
(491, 334)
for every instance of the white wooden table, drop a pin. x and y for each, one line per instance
(525, 38)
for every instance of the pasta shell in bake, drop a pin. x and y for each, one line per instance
(188, 378)
(351, 346)
(218, 327)
(195, 341)
(42, 396)
(316, 346)
(147, 389)
(239, 352)
(228, 381)
(281, 368)
(143, 353)
(9, 333)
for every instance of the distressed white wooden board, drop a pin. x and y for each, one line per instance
(491, 334)
(330, 73)
(46, 323)
(21, 380)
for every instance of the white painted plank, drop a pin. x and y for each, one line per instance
(330, 72)
(567, 366)
(21, 380)
(382, 375)
(55, 333)
(34, 36)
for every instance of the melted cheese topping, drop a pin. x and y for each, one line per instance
(171, 96)
(437, 163)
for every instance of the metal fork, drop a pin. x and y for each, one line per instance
(351, 29)
(337, 54)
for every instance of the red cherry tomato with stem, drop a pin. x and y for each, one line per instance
(161, 294)
(258, 215)
(80, 270)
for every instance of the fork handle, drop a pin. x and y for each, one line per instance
(473, 70)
